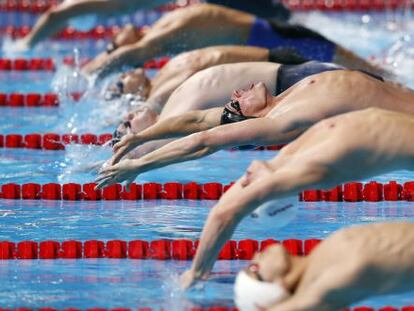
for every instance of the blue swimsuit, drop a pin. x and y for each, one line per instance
(305, 42)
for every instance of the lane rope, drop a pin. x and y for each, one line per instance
(48, 64)
(162, 249)
(54, 141)
(349, 192)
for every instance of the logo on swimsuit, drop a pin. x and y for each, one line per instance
(273, 213)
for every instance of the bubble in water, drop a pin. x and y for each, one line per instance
(83, 159)
(399, 58)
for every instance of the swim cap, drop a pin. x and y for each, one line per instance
(254, 295)
(276, 213)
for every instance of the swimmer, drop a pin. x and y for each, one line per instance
(202, 25)
(137, 86)
(66, 12)
(196, 92)
(56, 18)
(350, 265)
(351, 146)
(255, 117)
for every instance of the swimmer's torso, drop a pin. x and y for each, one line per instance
(341, 91)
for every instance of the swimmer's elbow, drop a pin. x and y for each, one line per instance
(200, 143)
(223, 217)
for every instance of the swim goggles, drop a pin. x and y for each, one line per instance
(228, 116)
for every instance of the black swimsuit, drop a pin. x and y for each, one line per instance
(288, 75)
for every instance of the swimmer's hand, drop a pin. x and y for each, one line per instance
(126, 170)
(128, 143)
(187, 279)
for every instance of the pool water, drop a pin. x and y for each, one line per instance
(110, 283)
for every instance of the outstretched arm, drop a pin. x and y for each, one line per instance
(255, 131)
(238, 202)
(56, 18)
(185, 124)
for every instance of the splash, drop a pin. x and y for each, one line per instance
(174, 296)
(83, 162)
(399, 58)
(12, 48)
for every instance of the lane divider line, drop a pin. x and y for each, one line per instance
(48, 64)
(348, 192)
(162, 249)
(54, 141)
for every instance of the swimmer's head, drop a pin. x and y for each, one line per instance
(253, 100)
(137, 121)
(132, 82)
(247, 104)
(261, 284)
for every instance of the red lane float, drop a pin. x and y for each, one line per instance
(340, 5)
(23, 64)
(357, 192)
(48, 64)
(180, 249)
(349, 192)
(29, 100)
(51, 141)
(54, 141)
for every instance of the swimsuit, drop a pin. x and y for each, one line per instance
(305, 42)
(288, 75)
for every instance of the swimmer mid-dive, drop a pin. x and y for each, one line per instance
(203, 25)
(266, 120)
(350, 146)
(348, 266)
(155, 92)
(188, 109)
(85, 14)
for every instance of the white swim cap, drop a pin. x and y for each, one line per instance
(276, 213)
(254, 295)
